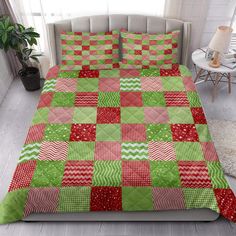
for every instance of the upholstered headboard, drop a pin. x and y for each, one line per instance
(133, 23)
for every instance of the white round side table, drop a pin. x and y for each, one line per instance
(216, 74)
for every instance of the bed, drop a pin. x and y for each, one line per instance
(118, 156)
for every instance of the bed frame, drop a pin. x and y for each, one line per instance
(133, 23)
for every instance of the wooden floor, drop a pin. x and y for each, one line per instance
(16, 113)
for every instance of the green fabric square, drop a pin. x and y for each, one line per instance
(188, 151)
(12, 206)
(62, 99)
(172, 84)
(109, 73)
(108, 132)
(41, 116)
(48, 174)
(200, 198)
(154, 99)
(194, 99)
(165, 174)
(88, 85)
(68, 74)
(203, 133)
(30, 152)
(107, 173)
(184, 71)
(131, 115)
(109, 99)
(57, 132)
(137, 199)
(81, 150)
(217, 175)
(74, 199)
(180, 115)
(159, 132)
(86, 115)
(150, 72)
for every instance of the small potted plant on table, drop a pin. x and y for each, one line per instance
(16, 37)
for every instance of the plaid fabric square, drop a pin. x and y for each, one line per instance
(88, 85)
(86, 99)
(180, 115)
(188, 83)
(85, 115)
(107, 151)
(54, 151)
(83, 132)
(42, 200)
(136, 173)
(45, 100)
(130, 84)
(129, 73)
(78, 173)
(131, 99)
(106, 115)
(109, 73)
(74, 199)
(53, 72)
(209, 151)
(60, 115)
(168, 198)
(159, 132)
(89, 73)
(172, 83)
(41, 116)
(66, 85)
(62, 99)
(134, 151)
(29, 152)
(161, 151)
(109, 84)
(23, 175)
(84, 50)
(153, 99)
(203, 132)
(178, 99)
(198, 115)
(156, 115)
(141, 50)
(57, 132)
(68, 74)
(184, 132)
(109, 99)
(131, 115)
(81, 151)
(170, 70)
(194, 174)
(133, 132)
(107, 173)
(35, 133)
(151, 84)
(108, 132)
(106, 199)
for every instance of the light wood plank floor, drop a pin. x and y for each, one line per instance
(16, 113)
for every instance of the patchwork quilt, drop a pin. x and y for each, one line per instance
(118, 140)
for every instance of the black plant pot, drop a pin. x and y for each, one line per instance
(30, 78)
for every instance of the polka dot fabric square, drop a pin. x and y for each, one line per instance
(83, 132)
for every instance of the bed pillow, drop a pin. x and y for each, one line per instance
(87, 51)
(142, 50)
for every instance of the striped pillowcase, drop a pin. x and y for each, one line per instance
(142, 50)
(88, 51)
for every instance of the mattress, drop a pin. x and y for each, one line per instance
(121, 143)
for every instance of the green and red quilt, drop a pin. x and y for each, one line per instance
(118, 140)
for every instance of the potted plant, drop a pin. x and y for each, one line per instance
(16, 37)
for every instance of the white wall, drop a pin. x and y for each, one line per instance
(5, 76)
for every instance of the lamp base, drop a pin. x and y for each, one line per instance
(215, 62)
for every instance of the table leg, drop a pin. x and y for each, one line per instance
(229, 82)
(217, 79)
(198, 74)
(208, 75)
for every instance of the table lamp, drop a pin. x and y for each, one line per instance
(220, 44)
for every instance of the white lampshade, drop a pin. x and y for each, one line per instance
(221, 39)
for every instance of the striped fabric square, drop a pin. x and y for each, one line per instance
(86, 99)
(35, 133)
(85, 51)
(178, 99)
(151, 84)
(66, 85)
(209, 151)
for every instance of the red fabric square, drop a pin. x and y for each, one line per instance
(83, 132)
(85, 99)
(189, 84)
(151, 84)
(53, 151)
(168, 198)
(41, 200)
(35, 134)
(45, 99)
(131, 99)
(194, 174)
(129, 73)
(209, 151)
(89, 74)
(60, 115)
(156, 115)
(78, 173)
(23, 175)
(174, 71)
(133, 132)
(198, 115)
(66, 85)
(53, 72)
(227, 203)
(184, 132)
(109, 84)
(136, 173)
(176, 99)
(106, 115)
(106, 199)
(107, 151)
